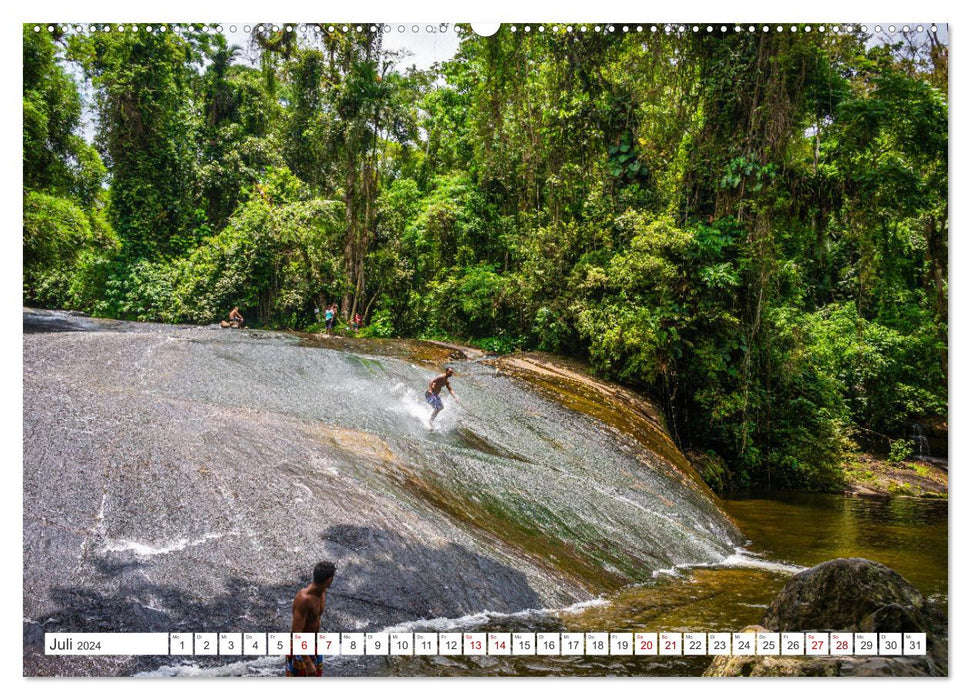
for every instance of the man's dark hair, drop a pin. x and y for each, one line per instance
(323, 571)
(449, 370)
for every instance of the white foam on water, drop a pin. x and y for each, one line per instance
(583, 605)
(258, 666)
(99, 518)
(410, 403)
(740, 559)
(744, 559)
(445, 624)
(32, 621)
(407, 403)
(142, 549)
(320, 464)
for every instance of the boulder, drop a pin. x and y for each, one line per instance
(854, 595)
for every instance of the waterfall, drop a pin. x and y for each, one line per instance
(919, 440)
(189, 478)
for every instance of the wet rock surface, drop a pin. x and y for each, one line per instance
(853, 595)
(187, 479)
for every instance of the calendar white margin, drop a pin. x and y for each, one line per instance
(507, 10)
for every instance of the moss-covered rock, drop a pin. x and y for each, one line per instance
(853, 595)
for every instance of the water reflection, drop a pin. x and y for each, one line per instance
(799, 529)
(908, 535)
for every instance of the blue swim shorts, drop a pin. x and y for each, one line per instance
(434, 401)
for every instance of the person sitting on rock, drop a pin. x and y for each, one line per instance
(235, 319)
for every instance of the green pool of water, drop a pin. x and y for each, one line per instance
(908, 535)
(785, 531)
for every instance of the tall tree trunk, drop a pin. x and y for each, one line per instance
(937, 252)
(350, 238)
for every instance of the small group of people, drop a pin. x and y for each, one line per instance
(330, 318)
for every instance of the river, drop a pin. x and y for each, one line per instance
(186, 479)
(789, 531)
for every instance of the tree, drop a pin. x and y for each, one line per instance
(146, 132)
(752, 226)
(65, 234)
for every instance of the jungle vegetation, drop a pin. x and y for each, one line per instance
(750, 227)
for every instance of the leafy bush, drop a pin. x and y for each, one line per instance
(381, 325)
(66, 250)
(632, 328)
(277, 259)
(140, 290)
(899, 451)
(887, 376)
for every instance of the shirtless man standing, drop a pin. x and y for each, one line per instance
(308, 605)
(434, 388)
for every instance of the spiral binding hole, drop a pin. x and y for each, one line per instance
(678, 29)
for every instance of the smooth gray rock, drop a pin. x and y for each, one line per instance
(187, 479)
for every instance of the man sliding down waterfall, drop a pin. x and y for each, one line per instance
(432, 395)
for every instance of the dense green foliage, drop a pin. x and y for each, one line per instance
(68, 243)
(752, 227)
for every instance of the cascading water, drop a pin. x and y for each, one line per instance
(189, 478)
(919, 441)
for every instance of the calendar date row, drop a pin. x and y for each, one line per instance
(489, 643)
